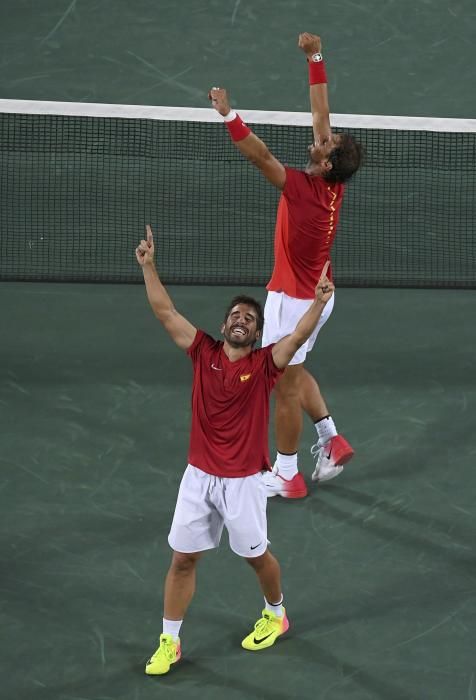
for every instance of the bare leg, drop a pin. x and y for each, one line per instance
(288, 412)
(180, 585)
(269, 575)
(297, 390)
(312, 401)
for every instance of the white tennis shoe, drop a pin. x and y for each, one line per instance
(330, 458)
(277, 485)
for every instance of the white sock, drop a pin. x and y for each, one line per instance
(325, 429)
(277, 608)
(172, 627)
(287, 465)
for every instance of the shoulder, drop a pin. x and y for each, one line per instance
(297, 183)
(202, 342)
(257, 356)
(264, 358)
(294, 175)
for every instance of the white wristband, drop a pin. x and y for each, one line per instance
(230, 116)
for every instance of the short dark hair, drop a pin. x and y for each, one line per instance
(249, 301)
(346, 159)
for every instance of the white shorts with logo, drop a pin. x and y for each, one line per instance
(206, 503)
(281, 316)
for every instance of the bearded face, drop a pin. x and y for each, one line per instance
(240, 328)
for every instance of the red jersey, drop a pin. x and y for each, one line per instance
(230, 409)
(306, 224)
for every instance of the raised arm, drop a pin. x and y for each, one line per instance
(311, 46)
(180, 330)
(287, 347)
(247, 142)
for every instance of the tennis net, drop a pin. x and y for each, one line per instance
(78, 182)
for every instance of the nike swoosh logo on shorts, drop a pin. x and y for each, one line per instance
(256, 545)
(219, 369)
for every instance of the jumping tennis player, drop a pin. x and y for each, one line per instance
(306, 225)
(223, 483)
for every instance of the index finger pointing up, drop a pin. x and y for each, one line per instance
(324, 271)
(150, 238)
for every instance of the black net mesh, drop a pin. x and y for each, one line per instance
(75, 193)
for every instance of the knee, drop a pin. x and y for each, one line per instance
(257, 563)
(183, 564)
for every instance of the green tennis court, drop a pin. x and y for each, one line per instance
(378, 566)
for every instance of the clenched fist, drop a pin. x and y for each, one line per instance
(219, 100)
(310, 43)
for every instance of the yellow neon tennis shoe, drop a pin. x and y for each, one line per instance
(166, 655)
(266, 631)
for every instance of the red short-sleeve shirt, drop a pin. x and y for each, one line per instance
(306, 223)
(230, 409)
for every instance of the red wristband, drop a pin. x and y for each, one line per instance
(317, 73)
(238, 129)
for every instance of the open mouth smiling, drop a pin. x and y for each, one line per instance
(239, 330)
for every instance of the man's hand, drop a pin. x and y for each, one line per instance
(285, 348)
(145, 249)
(324, 288)
(219, 100)
(309, 43)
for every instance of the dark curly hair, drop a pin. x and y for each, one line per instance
(346, 159)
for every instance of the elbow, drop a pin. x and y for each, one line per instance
(162, 314)
(257, 161)
(299, 339)
(297, 342)
(260, 159)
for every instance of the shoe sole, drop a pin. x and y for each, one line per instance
(163, 673)
(338, 470)
(292, 494)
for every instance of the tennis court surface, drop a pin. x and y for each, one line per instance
(378, 565)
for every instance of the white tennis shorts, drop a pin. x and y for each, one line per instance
(281, 316)
(206, 503)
